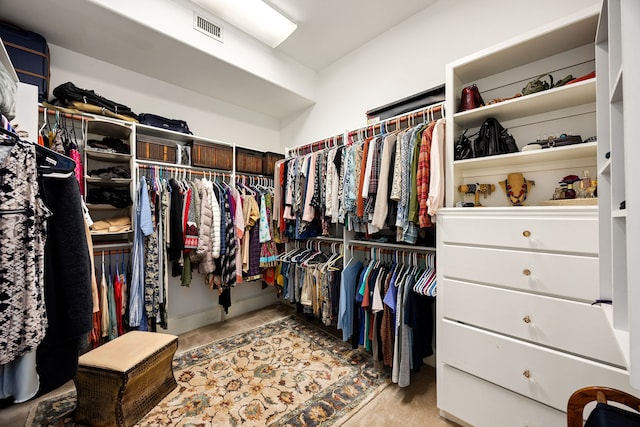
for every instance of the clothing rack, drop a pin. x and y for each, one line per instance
(320, 145)
(386, 251)
(408, 119)
(183, 169)
(99, 252)
(394, 246)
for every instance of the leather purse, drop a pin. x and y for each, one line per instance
(559, 141)
(538, 85)
(493, 139)
(470, 98)
(463, 148)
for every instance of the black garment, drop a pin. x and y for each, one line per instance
(175, 221)
(418, 314)
(67, 277)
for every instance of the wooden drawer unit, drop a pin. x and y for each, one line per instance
(571, 230)
(148, 148)
(268, 162)
(209, 155)
(248, 161)
(543, 374)
(482, 404)
(568, 276)
(569, 326)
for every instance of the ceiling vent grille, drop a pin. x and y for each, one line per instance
(208, 27)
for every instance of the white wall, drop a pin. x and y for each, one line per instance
(411, 58)
(206, 116)
(194, 306)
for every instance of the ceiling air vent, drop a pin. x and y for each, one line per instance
(207, 27)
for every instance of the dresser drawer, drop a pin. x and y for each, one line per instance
(568, 276)
(546, 375)
(576, 327)
(482, 404)
(562, 233)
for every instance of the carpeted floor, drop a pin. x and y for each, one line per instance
(299, 376)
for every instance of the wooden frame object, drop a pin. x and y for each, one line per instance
(580, 398)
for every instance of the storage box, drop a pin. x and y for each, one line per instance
(148, 148)
(29, 53)
(209, 155)
(268, 162)
(119, 382)
(248, 161)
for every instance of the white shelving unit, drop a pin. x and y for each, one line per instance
(96, 159)
(516, 321)
(618, 67)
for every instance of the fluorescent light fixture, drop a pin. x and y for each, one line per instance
(254, 17)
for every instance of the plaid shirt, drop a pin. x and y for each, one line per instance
(423, 175)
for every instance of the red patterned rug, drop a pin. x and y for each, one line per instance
(286, 373)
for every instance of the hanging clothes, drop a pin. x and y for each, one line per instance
(143, 227)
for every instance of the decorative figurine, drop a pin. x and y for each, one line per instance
(517, 188)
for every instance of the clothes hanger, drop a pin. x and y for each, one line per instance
(47, 159)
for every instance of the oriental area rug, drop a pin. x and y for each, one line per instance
(285, 373)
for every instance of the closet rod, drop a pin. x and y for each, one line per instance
(396, 246)
(111, 252)
(82, 116)
(108, 246)
(384, 250)
(328, 239)
(147, 164)
(331, 142)
(398, 120)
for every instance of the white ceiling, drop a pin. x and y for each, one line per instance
(327, 30)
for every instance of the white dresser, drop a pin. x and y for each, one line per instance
(517, 330)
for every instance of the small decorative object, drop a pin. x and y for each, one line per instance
(585, 183)
(517, 187)
(470, 98)
(476, 190)
(567, 185)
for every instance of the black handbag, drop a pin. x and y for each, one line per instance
(164, 123)
(464, 148)
(493, 139)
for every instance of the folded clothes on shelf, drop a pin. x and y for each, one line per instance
(112, 225)
(111, 172)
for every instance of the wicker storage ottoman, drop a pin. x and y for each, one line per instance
(120, 381)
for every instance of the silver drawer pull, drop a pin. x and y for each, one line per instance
(526, 233)
(526, 319)
(526, 272)
(526, 373)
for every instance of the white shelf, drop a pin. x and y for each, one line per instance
(572, 95)
(109, 128)
(104, 207)
(619, 213)
(108, 181)
(554, 38)
(568, 152)
(172, 136)
(111, 157)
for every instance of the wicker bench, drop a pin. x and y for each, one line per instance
(120, 381)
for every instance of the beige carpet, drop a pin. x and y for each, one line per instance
(285, 373)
